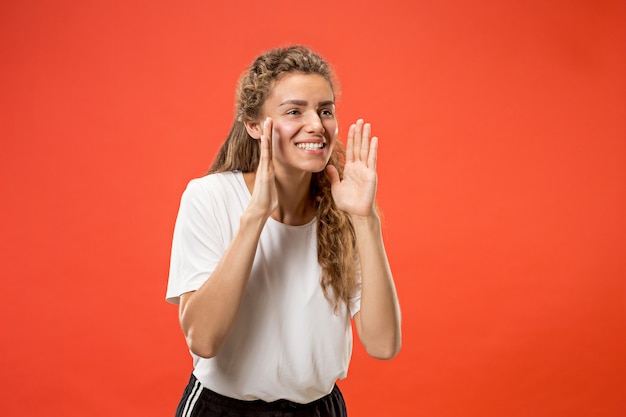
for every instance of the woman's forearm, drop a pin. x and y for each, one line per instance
(378, 321)
(207, 314)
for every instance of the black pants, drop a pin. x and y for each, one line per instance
(202, 402)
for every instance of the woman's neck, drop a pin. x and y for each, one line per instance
(295, 206)
(294, 200)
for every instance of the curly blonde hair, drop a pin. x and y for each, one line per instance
(336, 240)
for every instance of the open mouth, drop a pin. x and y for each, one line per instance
(310, 146)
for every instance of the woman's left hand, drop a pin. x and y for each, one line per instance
(356, 192)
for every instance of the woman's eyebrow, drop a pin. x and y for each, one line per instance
(304, 103)
(294, 102)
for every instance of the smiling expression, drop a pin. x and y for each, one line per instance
(305, 128)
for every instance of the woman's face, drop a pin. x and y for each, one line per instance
(302, 108)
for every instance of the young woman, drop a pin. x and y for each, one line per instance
(278, 247)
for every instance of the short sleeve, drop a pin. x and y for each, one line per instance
(197, 245)
(355, 298)
(355, 301)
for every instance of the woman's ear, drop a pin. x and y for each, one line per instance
(254, 129)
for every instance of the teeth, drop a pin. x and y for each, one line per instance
(310, 146)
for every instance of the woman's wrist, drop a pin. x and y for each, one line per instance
(369, 222)
(252, 221)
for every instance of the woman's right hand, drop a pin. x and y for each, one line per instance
(264, 196)
(208, 314)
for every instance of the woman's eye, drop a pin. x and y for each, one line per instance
(326, 112)
(294, 111)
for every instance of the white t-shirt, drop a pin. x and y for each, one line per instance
(287, 342)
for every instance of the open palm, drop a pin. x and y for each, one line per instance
(356, 192)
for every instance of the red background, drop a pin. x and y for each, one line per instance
(502, 179)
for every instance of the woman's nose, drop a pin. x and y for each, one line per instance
(314, 123)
